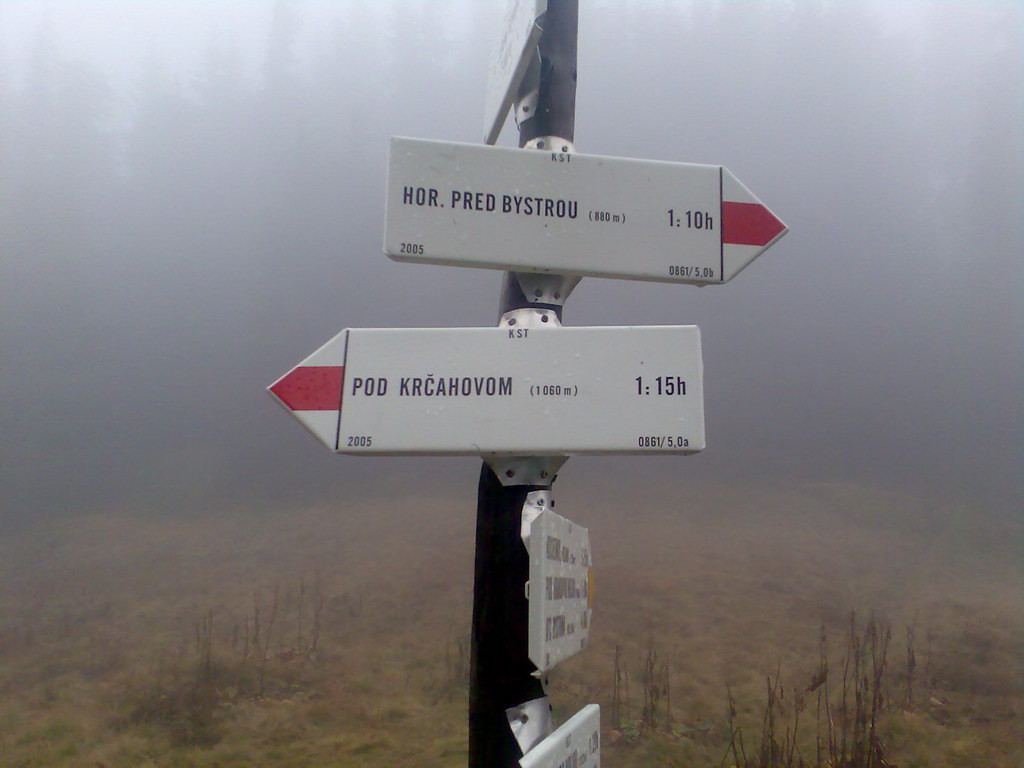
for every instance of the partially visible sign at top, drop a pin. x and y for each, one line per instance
(510, 62)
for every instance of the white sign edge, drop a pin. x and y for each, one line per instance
(544, 754)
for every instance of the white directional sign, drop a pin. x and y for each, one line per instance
(512, 391)
(560, 589)
(527, 210)
(576, 744)
(511, 60)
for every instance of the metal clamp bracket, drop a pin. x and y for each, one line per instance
(545, 288)
(531, 722)
(536, 502)
(528, 95)
(529, 317)
(550, 144)
(526, 470)
(526, 106)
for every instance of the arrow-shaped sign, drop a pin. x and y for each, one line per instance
(509, 391)
(524, 210)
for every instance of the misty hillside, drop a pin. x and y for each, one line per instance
(191, 202)
(175, 239)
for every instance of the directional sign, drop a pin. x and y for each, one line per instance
(512, 391)
(511, 60)
(577, 743)
(527, 210)
(560, 589)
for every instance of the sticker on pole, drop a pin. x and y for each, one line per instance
(577, 743)
(513, 391)
(532, 211)
(561, 578)
(510, 61)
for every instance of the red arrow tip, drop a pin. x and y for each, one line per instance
(311, 388)
(748, 224)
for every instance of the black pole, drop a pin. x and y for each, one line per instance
(500, 669)
(556, 106)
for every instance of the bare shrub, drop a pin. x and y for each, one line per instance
(190, 694)
(846, 729)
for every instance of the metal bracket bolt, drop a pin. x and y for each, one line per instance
(536, 502)
(526, 470)
(529, 317)
(550, 144)
(544, 288)
(531, 722)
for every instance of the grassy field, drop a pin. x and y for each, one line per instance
(339, 637)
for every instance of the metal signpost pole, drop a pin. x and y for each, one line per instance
(501, 673)
(500, 670)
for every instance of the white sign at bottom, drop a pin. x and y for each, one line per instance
(576, 744)
(560, 584)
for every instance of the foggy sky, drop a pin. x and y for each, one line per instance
(186, 217)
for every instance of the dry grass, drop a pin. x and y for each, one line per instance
(128, 640)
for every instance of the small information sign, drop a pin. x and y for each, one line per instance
(561, 578)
